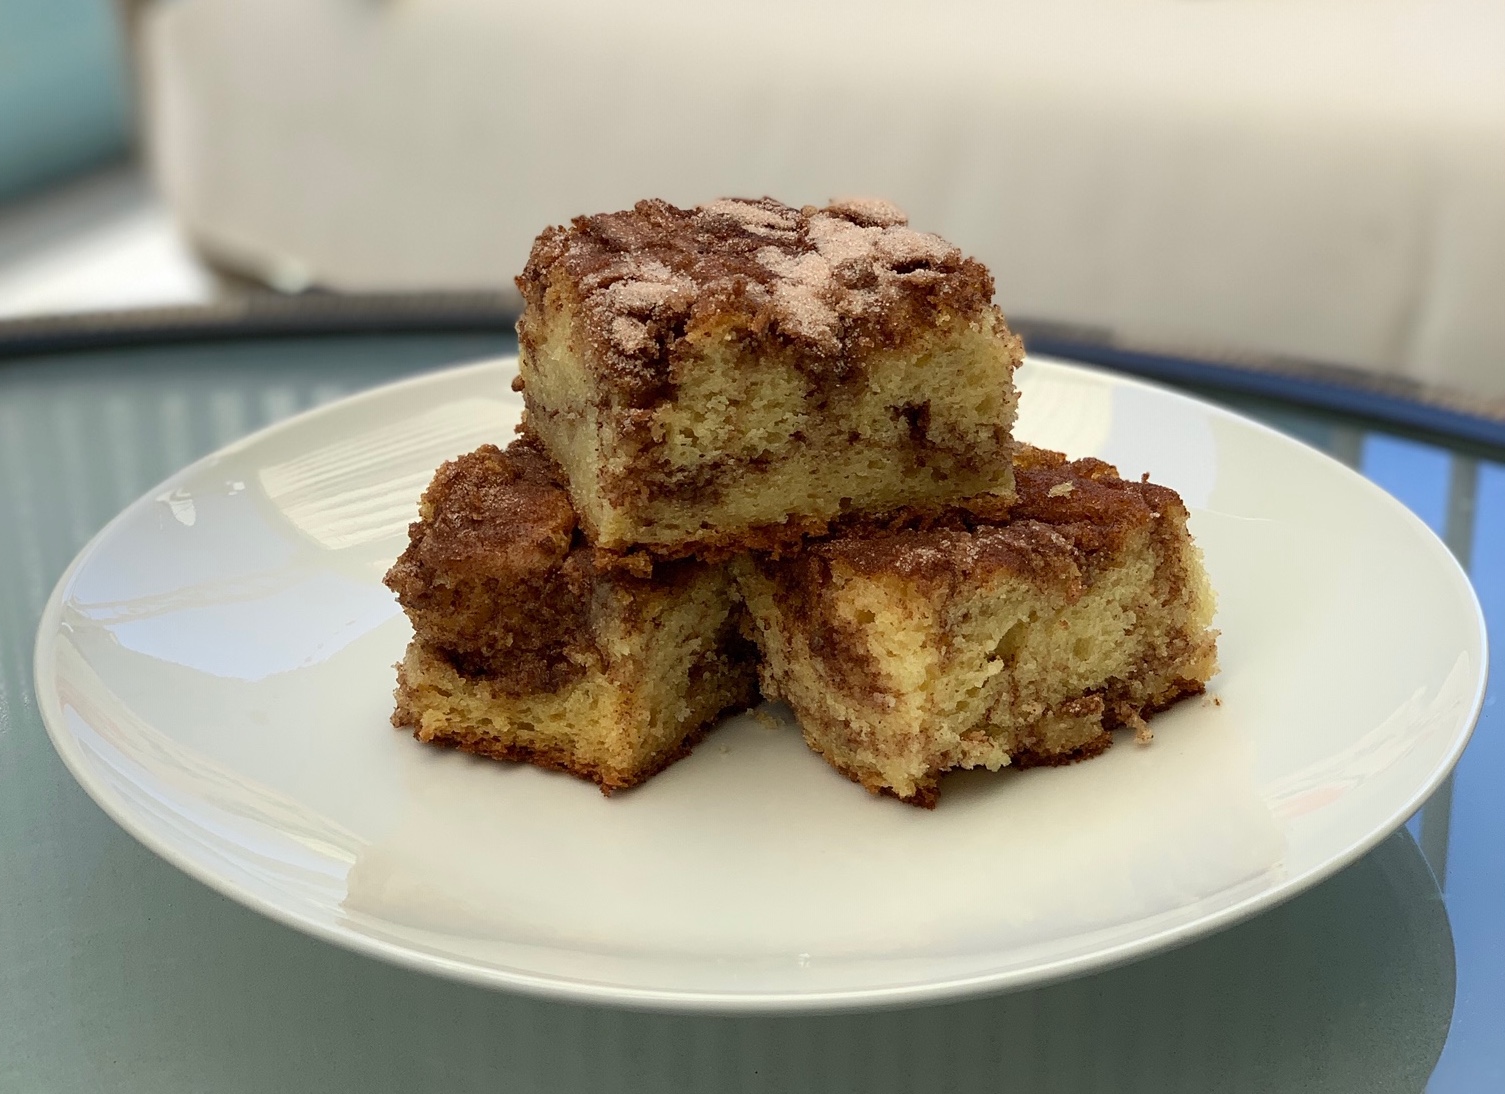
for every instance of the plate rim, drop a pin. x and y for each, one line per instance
(569, 989)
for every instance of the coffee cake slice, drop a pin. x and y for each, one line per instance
(742, 373)
(524, 649)
(906, 654)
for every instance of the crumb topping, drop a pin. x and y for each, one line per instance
(1066, 511)
(498, 576)
(1088, 496)
(831, 283)
(869, 212)
(961, 554)
(493, 577)
(500, 514)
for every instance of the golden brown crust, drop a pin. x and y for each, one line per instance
(557, 759)
(832, 284)
(1026, 758)
(927, 792)
(738, 691)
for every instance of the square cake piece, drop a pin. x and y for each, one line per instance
(905, 654)
(743, 373)
(524, 650)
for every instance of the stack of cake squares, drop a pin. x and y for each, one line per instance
(769, 451)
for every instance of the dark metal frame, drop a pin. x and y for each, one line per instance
(1389, 401)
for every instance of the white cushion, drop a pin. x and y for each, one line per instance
(1323, 179)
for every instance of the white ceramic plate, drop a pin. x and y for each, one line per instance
(216, 670)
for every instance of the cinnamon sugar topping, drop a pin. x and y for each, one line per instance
(759, 218)
(869, 212)
(1064, 510)
(831, 283)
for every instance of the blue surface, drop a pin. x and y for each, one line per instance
(64, 95)
(1414, 472)
(1475, 888)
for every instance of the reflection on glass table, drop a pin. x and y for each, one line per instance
(117, 971)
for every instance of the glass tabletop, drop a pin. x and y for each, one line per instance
(117, 972)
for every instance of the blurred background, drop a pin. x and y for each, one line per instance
(1307, 192)
(1251, 180)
